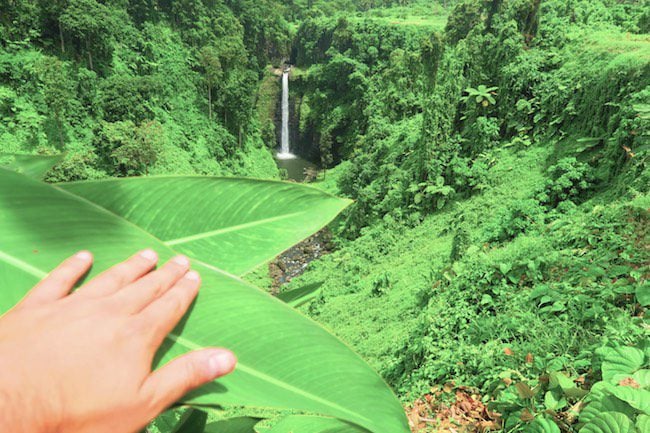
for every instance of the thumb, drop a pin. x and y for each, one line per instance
(170, 383)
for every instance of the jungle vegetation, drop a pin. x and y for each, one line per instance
(493, 265)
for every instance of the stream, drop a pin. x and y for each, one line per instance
(293, 262)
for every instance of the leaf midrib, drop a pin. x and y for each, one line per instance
(22, 265)
(233, 228)
(253, 372)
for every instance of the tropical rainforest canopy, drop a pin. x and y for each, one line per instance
(493, 266)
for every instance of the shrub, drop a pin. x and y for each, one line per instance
(514, 219)
(464, 17)
(542, 396)
(568, 180)
(481, 134)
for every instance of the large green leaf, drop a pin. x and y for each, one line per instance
(301, 295)
(606, 403)
(233, 425)
(601, 399)
(643, 293)
(192, 421)
(642, 377)
(554, 400)
(609, 422)
(286, 360)
(235, 224)
(542, 424)
(639, 399)
(312, 424)
(166, 421)
(620, 360)
(559, 382)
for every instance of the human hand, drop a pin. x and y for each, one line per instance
(81, 362)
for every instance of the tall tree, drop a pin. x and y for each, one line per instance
(90, 23)
(439, 113)
(52, 11)
(266, 32)
(212, 70)
(58, 91)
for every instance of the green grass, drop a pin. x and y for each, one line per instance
(620, 50)
(632, 45)
(428, 15)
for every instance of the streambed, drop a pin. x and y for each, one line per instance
(293, 262)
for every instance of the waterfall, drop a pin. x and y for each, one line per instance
(285, 149)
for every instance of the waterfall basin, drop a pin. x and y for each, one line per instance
(295, 166)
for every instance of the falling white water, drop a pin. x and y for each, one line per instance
(285, 149)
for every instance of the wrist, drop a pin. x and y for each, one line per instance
(19, 412)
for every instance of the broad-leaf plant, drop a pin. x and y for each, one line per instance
(228, 227)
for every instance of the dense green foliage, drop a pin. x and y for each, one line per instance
(408, 109)
(499, 168)
(132, 87)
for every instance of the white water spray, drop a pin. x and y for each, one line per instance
(285, 149)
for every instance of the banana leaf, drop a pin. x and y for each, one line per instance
(286, 361)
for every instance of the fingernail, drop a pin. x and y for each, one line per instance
(84, 255)
(193, 276)
(181, 260)
(149, 255)
(221, 363)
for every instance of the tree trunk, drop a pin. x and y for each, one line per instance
(532, 22)
(60, 128)
(209, 102)
(90, 55)
(494, 9)
(61, 38)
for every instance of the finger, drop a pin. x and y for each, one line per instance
(141, 293)
(60, 281)
(162, 315)
(121, 275)
(170, 383)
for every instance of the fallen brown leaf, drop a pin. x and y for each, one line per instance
(628, 381)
